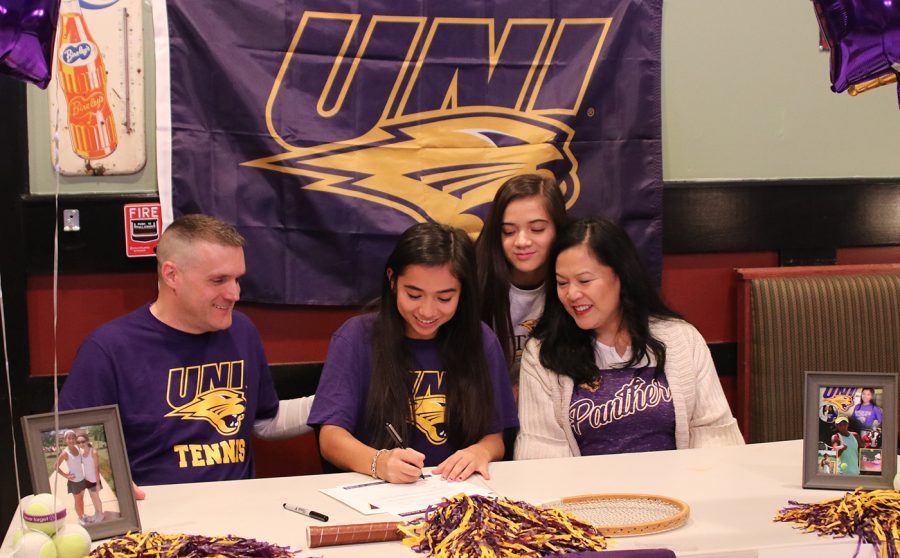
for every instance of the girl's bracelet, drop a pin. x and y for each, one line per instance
(375, 462)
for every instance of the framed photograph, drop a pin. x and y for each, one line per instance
(83, 461)
(850, 425)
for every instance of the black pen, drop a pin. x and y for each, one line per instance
(306, 512)
(398, 439)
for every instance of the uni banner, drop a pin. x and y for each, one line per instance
(323, 129)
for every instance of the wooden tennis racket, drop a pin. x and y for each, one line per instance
(615, 515)
(356, 533)
(623, 515)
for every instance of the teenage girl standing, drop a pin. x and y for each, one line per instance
(513, 250)
(91, 461)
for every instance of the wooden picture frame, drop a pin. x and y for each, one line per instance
(48, 448)
(857, 400)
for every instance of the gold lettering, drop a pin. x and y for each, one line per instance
(197, 455)
(202, 455)
(213, 456)
(228, 451)
(181, 449)
(184, 386)
(214, 375)
(236, 380)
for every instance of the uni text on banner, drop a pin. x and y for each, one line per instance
(322, 133)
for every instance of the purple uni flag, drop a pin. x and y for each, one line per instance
(323, 129)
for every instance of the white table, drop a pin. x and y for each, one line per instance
(733, 493)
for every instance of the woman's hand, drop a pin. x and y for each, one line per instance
(70, 476)
(400, 465)
(461, 465)
(138, 492)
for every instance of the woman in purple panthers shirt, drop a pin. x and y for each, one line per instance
(610, 368)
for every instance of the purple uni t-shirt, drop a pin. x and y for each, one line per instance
(630, 411)
(864, 416)
(187, 401)
(341, 396)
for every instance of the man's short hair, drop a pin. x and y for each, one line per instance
(190, 228)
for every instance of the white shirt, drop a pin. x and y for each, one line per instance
(75, 465)
(525, 308)
(90, 469)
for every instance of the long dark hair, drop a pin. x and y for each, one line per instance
(461, 346)
(569, 350)
(493, 268)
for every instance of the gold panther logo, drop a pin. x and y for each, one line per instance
(843, 401)
(529, 325)
(438, 165)
(223, 408)
(429, 417)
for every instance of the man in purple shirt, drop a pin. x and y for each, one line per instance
(188, 372)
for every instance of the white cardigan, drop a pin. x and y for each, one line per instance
(702, 415)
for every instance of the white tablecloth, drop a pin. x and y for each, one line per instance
(733, 493)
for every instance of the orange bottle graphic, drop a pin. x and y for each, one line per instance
(82, 77)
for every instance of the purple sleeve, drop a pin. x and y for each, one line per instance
(244, 332)
(267, 406)
(340, 398)
(506, 414)
(92, 379)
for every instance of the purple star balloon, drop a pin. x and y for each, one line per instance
(864, 36)
(27, 31)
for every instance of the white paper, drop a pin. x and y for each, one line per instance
(403, 500)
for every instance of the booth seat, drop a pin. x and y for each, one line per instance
(817, 318)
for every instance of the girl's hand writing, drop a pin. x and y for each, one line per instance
(400, 465)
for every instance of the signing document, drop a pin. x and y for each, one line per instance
(402, 500)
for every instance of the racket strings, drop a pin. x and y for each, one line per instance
(626, 515)
(620, 511)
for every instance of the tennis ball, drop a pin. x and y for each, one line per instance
(843, 466)
(40, 513)
(34, 544)
(72, 541)
(17, 536)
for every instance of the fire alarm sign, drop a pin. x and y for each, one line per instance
(142, 229)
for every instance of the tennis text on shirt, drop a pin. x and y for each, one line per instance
(211, 393)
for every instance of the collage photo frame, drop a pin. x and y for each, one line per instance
(850, 430)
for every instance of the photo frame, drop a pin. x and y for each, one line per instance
(98, 495)
(850, 425)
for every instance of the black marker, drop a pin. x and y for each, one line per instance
(398, 440)
(306, 512)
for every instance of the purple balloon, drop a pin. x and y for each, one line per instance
(27, 32)
(864, 36)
